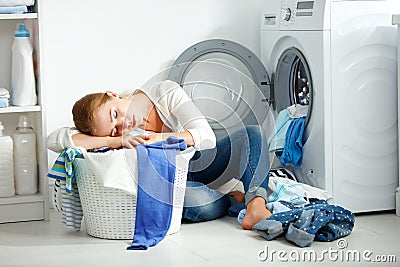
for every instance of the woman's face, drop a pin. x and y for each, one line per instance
(114, 118)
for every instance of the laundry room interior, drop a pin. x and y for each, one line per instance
(218, 105)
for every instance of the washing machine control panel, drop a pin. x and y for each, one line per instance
(292, 9)
(302, 14)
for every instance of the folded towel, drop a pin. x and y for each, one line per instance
(156, 172)
(17, 2)
(13, 9)
(4, 93)
(3, 102)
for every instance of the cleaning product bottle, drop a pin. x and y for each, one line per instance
(22, 72)
(25, 164)
(6, 165)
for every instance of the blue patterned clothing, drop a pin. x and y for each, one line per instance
(315, 221)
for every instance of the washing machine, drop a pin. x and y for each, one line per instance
(338, 58)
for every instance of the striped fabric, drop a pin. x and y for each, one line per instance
(65, 193)
(71, 207)
(282, 173)
(63, 167)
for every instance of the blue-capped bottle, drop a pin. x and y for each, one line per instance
(23, 86)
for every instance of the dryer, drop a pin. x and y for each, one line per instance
(338, 57)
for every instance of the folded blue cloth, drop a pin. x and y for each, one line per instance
(156, 172)
(13, 9)
(293, 151)
(3, 102)
(17, 2)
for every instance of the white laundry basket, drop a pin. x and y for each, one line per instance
(110, 213)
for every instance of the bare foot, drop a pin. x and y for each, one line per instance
(239, 196)
(255, 212)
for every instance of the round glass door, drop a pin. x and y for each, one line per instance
(293, 82)
(224, 80)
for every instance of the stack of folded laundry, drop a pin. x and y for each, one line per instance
(15, 6)
(4, 97)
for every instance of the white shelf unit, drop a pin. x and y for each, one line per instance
(28, 207)
(396, 21)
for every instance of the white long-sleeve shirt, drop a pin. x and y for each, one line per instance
(175, 108)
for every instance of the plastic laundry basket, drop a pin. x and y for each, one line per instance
(110, 213)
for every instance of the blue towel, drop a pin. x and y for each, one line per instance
(3, 102)
(293, 151)
(13, 9)
(156, 172)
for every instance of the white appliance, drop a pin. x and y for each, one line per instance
(339, 58)
(396, 21)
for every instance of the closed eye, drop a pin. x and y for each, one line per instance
(114, 116)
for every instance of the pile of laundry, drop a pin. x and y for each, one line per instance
(300, 212)
(4, 98)
(16, 6)
(287, 141)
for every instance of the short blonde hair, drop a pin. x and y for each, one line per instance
(84, 109)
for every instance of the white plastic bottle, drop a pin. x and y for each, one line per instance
(23, 92)
(25, 163)
(7, 188)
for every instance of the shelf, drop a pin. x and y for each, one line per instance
(14, 109)
(21, 199)
(396, 19)
(19, 16)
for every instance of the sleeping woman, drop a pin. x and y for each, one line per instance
(151, 115)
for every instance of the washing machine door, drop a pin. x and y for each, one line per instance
(226, 81)
(293, 84)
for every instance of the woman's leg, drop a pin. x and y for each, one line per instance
(254, 162)
(244, 153)
(204, 204)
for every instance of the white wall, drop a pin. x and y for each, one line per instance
(118, 45)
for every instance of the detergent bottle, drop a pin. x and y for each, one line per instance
(23, 89)
(25, 163)
(6, 165)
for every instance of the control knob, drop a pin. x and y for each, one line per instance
(286, 13)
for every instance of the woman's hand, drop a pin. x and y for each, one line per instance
(155, 137)
(129, 141)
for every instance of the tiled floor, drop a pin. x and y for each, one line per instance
(215, 243)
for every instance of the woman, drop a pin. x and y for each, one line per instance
(151, 115)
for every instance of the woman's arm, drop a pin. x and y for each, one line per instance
(127, 141)
(194, 127)
(70, 137)
(89, 141)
